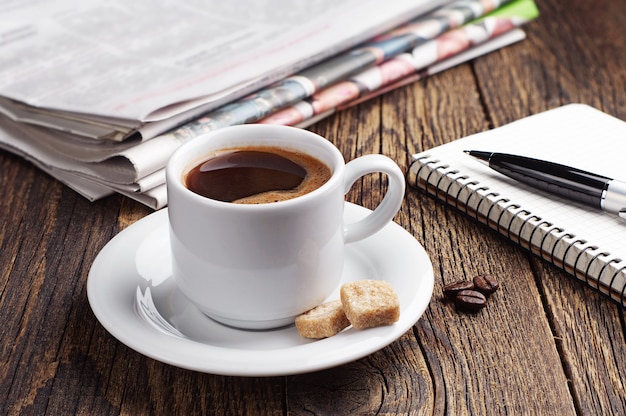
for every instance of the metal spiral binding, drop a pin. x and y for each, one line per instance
(569, 247)
(619, 296)
(530, 217)
(474, 191)
(552, 258)
(509, 208)
(604, 254)
(585, 276)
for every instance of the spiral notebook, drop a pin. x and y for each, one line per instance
(587, 243)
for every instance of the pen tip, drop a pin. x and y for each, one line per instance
(480, 155)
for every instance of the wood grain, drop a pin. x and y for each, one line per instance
(545, 344)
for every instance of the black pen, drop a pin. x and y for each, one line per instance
(589, 188)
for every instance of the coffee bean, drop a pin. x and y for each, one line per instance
(470, 300)
(452, 289)
(486, 284)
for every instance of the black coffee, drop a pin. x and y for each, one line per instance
(257, 175)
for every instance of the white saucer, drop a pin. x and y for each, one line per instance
(132, 294)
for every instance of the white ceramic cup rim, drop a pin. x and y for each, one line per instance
(184, 159)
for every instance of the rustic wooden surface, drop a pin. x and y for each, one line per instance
(545, 345)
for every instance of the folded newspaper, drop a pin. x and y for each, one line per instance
(112, 63)
(86, 127)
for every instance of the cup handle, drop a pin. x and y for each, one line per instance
(390, 204)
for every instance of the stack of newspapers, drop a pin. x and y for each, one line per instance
(99, 94)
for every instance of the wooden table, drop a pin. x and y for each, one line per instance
(546, 344)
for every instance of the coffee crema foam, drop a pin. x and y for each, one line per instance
(257, 175)
(314, 179)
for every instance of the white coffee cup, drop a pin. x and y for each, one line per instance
(259, 266)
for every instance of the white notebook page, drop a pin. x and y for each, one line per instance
(575, 135)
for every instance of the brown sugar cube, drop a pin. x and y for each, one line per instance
(370, 303)
(323, 321)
